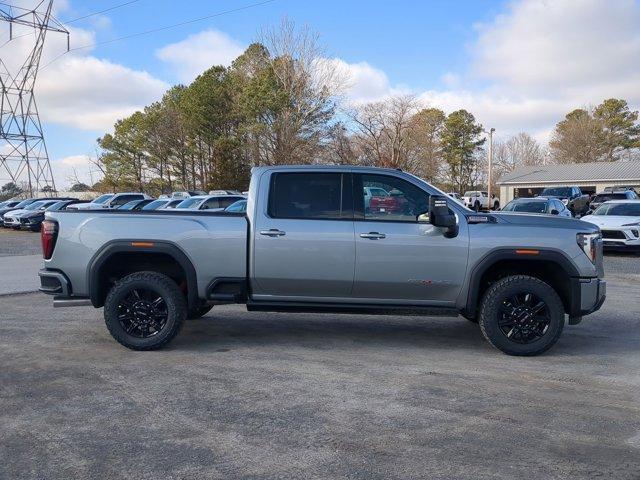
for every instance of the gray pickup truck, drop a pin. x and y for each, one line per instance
(310, 242)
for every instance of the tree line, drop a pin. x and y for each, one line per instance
(280, 103)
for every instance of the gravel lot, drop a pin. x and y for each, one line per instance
(17, 242)
(255, 395)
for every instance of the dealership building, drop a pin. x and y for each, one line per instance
(590, 177)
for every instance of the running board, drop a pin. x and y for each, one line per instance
(309, 307)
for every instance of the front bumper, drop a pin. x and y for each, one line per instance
(587, 296)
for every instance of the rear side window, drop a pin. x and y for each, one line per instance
(226, 201)
(318, 196)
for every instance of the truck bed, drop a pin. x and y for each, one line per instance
(214, 242)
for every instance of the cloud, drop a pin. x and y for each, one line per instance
(200, 51)
(78, 89)
(536, 62)
(68, 170)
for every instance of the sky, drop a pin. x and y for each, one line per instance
(517, 65)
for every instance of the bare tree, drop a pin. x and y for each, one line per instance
(521, 150)
(308, 84)
(383, 133)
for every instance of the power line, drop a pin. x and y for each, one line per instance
(160, 29)
(101, 11)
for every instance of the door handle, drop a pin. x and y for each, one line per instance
(274, 232)
(373, 235)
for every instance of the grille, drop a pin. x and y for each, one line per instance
(613, 234)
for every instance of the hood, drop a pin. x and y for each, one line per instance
(548, 221)
(610, 221)
(15, 213)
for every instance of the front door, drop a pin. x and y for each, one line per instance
(303, 241)
(400, 257)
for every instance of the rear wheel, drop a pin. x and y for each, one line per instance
(145, 310)
(521, 315)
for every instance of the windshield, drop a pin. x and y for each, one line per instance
(528, 207)
(557, 192)
(240, 206)
(621, 209)
(35, 205)
(129, 205)
(103, 198)
(56, 206)
(24, 203)
(155, 204)
(190, 203)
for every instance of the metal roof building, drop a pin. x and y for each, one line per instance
(590, 177)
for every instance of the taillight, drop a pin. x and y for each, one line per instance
(48, 235)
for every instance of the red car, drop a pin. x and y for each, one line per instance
(394, 203)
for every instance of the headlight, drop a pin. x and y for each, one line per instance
(565, 201)
(588, 242)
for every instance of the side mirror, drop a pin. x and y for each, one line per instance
(554, 212)
(441, 216)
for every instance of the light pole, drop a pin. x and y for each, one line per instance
(490, 132)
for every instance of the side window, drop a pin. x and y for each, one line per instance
(320, 196)
(391, 198)
(226, 201)
(121, 200)
(210, 203)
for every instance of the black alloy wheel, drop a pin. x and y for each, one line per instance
(524, 317)
(145, 310)
(521, 315)
(142, 313)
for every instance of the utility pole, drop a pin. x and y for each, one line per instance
(23, 152)
(490, 132)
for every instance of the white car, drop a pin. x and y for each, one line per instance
(111, 201)
(619, 222)
(208, 202)
(478, 200)
(12, 218)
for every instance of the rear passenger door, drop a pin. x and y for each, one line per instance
(303, 238)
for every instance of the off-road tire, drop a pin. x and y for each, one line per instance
(159, 284)
(496, 206)
(503, 289)
(199, 312)
(476, 206)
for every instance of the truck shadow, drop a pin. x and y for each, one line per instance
(231, 330)
(326, 331)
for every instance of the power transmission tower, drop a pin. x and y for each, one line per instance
(23, 152)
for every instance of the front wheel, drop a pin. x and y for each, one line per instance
(476, 206)
(521, 315)
(145, 310)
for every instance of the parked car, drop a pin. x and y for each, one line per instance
(111, 201)
(187, 194)
(136, 205)
(33, 220)
(370, 192)
(620, 189)
(619, 222)
(538, 205)
(478, 200)
(7, 206)
(237, 207)
(600, 198)
(171, 204)
(13, 218)
(572, 197)
(295, 250)
(208, 202)
(21, 205)
(158, 203)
